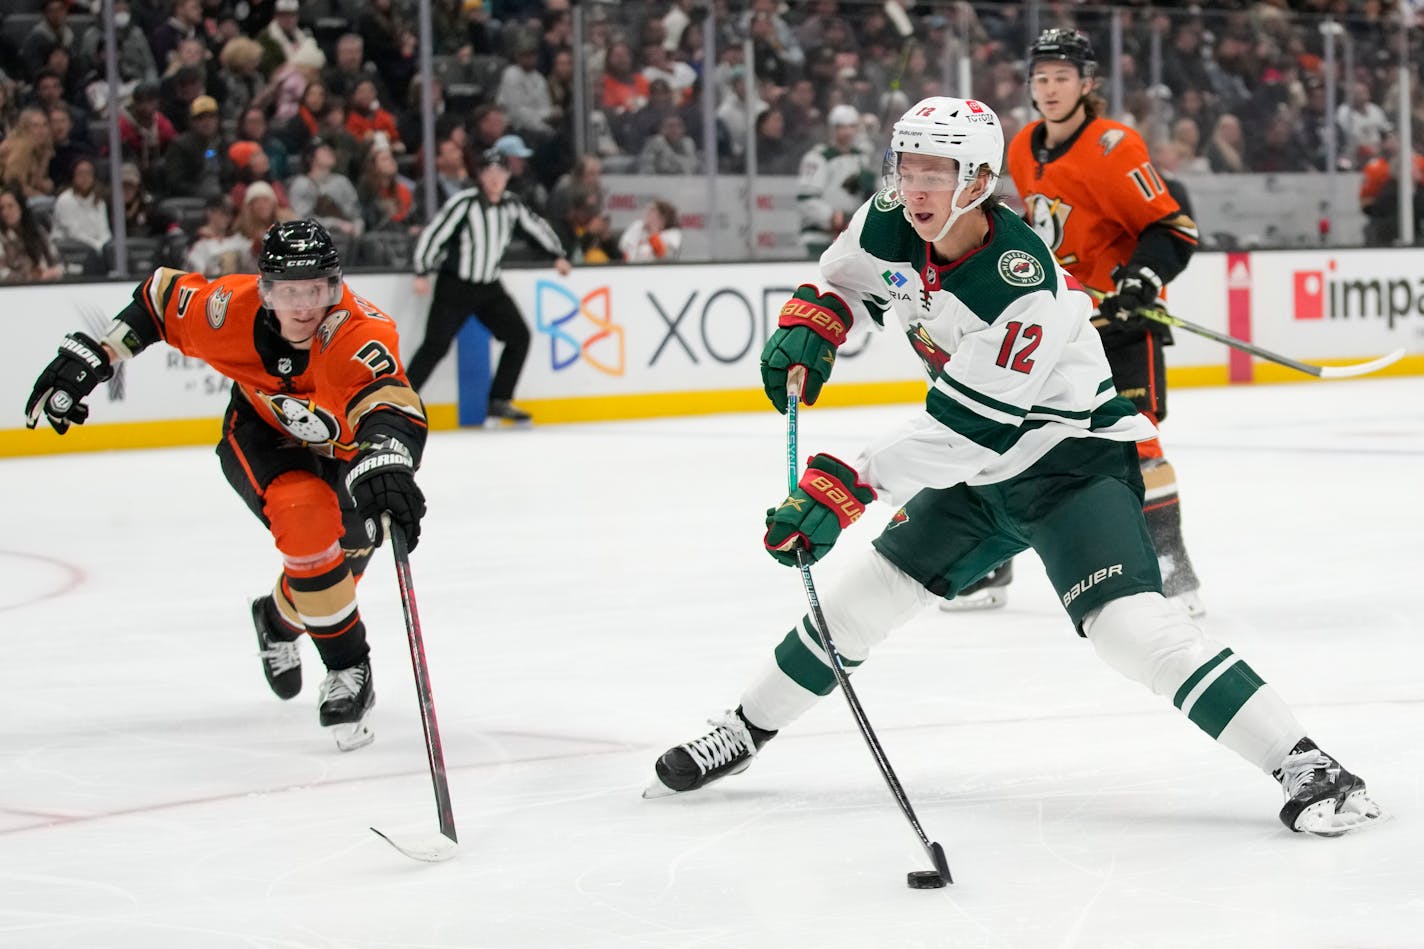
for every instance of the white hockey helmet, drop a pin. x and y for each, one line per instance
(964, 130)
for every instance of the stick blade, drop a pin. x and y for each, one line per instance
(437, 848)
(940, 861)
(1361, 369)
(899, 19)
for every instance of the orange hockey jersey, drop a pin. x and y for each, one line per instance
(1091, 200)
(320, 396)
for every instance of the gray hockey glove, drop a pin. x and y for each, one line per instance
(66, 382)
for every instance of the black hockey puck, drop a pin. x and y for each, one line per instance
(924, 880)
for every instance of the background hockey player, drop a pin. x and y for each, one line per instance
(321, 437)
(1090, 191)
(1022, 442)
(833, 180)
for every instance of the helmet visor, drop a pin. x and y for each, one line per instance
(300, 294)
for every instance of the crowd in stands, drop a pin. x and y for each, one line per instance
(233, 114)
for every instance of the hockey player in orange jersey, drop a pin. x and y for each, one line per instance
(1090, 191)
(321, 437)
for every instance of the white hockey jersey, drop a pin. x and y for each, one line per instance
(1015, 366)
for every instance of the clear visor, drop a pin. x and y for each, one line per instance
(919, 176)
(300, 294)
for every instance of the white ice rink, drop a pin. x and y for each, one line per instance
(589, 594)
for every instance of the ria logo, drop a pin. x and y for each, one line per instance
(894, 278)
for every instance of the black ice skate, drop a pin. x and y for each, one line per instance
(347, 698)
(502, 411)
(727, 749)
(989, 592)
(1322, 798)
(281, 657)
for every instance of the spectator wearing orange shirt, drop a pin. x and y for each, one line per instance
(655, 237)
(365, 118)
(1379, 193)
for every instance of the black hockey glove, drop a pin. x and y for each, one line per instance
(1137, 289)
(66, 382)
(381, 480)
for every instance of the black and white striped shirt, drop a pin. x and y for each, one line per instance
(473, 234)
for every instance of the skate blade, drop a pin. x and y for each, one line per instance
(657, 789)
(352, 735)
(504, 424)
(1323, 819)
(990, 598)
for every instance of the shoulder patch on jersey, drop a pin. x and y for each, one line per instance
(886, 199)
(330, 325)
(1110, 140)
(217, 307)
(1020, 268)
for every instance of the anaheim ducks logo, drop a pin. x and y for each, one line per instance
(217, 307)
(934, 358)
(306, 421)
(330, 325)
(1110, 140)
(1049, 219)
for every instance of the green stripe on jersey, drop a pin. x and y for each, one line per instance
(995, 436)
(1197, 676)
(807, 667)
(1218, 705)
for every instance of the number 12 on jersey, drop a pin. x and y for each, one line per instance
(1019, 343)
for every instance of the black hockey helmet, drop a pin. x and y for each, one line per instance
(299, 250)
(1070, 46)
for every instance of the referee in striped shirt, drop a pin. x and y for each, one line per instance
(472, 230)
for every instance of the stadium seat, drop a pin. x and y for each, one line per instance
(78, 258)
(187, 211)
(389, 250)
(18, 26)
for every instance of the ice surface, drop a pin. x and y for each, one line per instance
(589, 595)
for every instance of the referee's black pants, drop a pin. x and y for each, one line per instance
(457, 300)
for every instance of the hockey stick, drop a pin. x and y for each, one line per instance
(900, 20)
(935, 851)
(435, 848)
(1159, 315)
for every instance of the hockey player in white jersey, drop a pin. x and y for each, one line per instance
(833, 180)
(1022, 442)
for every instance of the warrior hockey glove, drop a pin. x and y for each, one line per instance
(1137, 289)
(381, 480)
(828, 499)
(66, 382)
(810, 327)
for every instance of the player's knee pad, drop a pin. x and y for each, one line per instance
(867, 601)
(1150, 640)
(305, 518)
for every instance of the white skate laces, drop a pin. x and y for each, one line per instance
(282, 656)
(724, 744)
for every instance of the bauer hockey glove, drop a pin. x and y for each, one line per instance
(1138, 288)
(828, 499)
(811, 326)
(381, 480)
(66, 382)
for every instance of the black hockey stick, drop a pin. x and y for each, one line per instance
(1159, 315)
(935, 851)
(435, 848)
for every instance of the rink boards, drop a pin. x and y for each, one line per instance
(656, 340)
